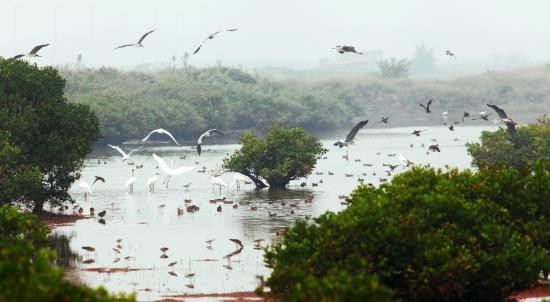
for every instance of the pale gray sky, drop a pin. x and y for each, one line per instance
(281, 33)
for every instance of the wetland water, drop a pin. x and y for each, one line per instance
(147, 221)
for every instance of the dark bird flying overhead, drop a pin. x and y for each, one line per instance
(206, 134)
(139, 42)
(32, 53)
(416, 132)
(466, 115)
(434, 148)
(510, 124)
(351, 134)
(452, 127)
(427, 106)
(346, 48)
(212, 36)
(450, 54)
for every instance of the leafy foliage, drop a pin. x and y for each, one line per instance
(26, 272)
(529, 144)
(283, 155)
(427, 236)
(393, 68)
(46, 132)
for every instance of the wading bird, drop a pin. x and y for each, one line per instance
(85, 187)
(351, 135)
(169, 171)
(427, 106)
(125, 156)
(346, 48)
(131, 181)
(238, 179)
(510, 124)
(151, 182)
(138, 44)
(161, 131)
(206, 134)
(466, 115)
(212, 36)
(32, 53)
(217, 181)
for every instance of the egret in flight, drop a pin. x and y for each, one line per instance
(206, 134)
(125, 156)
(161, 131)
(169, 171)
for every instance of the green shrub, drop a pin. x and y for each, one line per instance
(427, 236)
(283, 155)
(529, 144)
(26, 271)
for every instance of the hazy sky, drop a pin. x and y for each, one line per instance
(282, 32)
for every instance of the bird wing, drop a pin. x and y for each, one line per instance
(122, 46)
(134, 150)
(232, 29)
(197, 50)
(422, 105)
(429, 103)
(162, 164)
(169, 134)
(215, 131)
(353, 132)
(498, 110)
(145, 35)
(147, 137)
(199, 149)
(37, 48)
(182, 170)
(17, 57)
(119, 150)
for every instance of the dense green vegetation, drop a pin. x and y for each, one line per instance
(41, 132)
(26, 271)
(189, 101)
(527, 145)
(284, 154)
(427, 236)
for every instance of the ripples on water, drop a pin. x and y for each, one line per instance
(148, 221)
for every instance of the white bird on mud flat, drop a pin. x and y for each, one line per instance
(85, 187)
(131, 181)
(238, 179)
(217, 181)
(169, 171)
(151, 182)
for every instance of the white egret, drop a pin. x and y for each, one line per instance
(131, 181)
(161, 131)
(238, 179)
(125, 156)
(85, 187)
(151, 182)
(217, 181)
(206, 134)
(169, 171)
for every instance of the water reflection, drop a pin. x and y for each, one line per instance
(127, 246)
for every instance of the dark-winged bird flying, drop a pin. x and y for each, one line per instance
(510, 124)
(346, 48)
(32, 53)
(98, 178)
(427, 106)
(139, 43)
(212, 36)
(351, 134)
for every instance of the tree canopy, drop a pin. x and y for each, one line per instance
(42, 131)
(284, 154)
(529, 144)
(428, 235)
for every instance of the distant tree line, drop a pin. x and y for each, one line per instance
(188, 101)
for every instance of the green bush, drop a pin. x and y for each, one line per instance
(26, 271)
(529, 144)
(426, 236)
(283, 155)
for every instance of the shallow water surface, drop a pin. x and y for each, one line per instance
(147, 221)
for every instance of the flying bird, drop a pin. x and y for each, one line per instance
(484, 116)
(206, 134)
(510, 124)
(434, 148)
(212, 36)
(416, 132)
(161, 131)
(125, 156)
(169, 171)
(452, 127)
(346, 48)
(450, 54)
(238, 242)
(138, 44)
(466, 115)
(351, 134)
(405, 161)
(384, 120)
(427, 106)
(98, 178)
(32, 53)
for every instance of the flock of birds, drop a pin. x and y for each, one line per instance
(170, 171)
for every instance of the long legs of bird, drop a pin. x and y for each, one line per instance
(132, 188)
(167, 180)
(152, 187)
